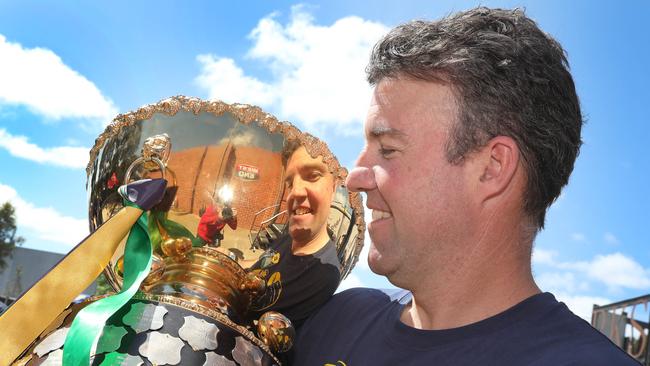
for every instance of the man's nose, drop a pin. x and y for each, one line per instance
(298, 189)
(360, 179)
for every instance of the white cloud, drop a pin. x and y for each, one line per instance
(44, 222)
(574, 282)
(619, 271)
(351, 281)
(65, 156)
(226, 81)
(317, 71)
(566, 282)
(611, 239)
(580, 305)
(616, 270)
(38, 79)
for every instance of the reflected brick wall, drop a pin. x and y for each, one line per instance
(199, 172)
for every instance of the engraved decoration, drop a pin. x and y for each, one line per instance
(54, 358)
(213, 359)
(121, 359)
(162, 349)
(110, 339)
(246, 354)
(199, 334)
(52, 342)
(143, 317)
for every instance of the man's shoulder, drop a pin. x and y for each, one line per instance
(337, 325)
(357, 297)
(351, 305)
(327, 254)
(593, 346)
(561, 337)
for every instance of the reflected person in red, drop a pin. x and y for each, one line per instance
(213, 221)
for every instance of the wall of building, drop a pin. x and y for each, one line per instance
(25, 267)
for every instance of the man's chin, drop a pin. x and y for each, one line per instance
(302, 235)
(378, 265)
(390, 272)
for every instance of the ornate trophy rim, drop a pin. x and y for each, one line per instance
(246, 114)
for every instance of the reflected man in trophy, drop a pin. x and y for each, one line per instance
(301, 268)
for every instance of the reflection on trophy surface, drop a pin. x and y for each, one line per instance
(254, 223)
(301, 268)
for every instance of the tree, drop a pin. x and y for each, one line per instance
(8, 238)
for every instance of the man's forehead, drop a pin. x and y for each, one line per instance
(386, 112)
(399, 105)
(301, 159)
(376, 128)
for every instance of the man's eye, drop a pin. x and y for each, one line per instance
(386, 152)
(314, 176)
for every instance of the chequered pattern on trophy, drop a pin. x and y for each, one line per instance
(151, 333)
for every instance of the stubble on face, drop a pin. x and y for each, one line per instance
(417, 191)
(311, 187)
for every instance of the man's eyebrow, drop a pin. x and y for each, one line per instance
(380, 131)
(308, 167)
(314, 166)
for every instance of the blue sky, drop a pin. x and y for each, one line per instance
(67, 69)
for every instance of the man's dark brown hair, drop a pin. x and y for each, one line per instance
(288, 149)
(509, 79)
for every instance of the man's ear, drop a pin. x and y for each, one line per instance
(499, 163)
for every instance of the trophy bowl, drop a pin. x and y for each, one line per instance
(225, 225)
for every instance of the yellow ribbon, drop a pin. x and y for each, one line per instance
(44, 301)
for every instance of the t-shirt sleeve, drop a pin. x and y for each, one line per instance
(333, 318)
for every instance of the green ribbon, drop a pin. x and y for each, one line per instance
(158, 219)
(89, 323)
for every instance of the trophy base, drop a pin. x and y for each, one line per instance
(157, 330)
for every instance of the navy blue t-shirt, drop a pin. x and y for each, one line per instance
(296, 285)
(362, 327)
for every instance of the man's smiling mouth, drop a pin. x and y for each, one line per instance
(380, 215)
(301, 211)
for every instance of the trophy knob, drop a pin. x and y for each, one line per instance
(253, 284)
(175, 247)
(158, 146)
(276, 331)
